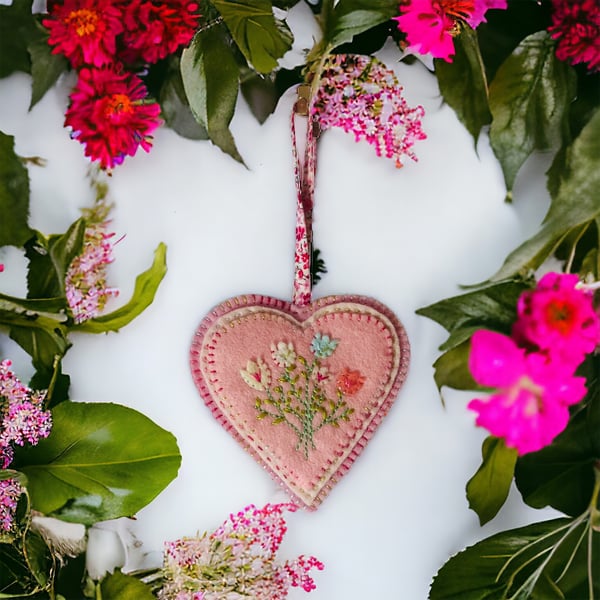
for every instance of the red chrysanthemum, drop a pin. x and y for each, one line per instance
(85, 31)
(109, 114)
(576, 26)
(155, 29)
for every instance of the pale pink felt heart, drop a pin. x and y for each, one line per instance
(302, 389)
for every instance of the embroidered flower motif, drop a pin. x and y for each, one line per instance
(238, 560)
(257, 375)
(530, 407)
(322, 346)
(321, 374)
(110, 116)
(431, 25)
(576, 26)
(283, 354)
(558, 319)
(154, 29)
(84, 31)
(349, 382)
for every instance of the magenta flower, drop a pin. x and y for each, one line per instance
(558, 319)
(576, 27)
(10, 491)
(530, 405)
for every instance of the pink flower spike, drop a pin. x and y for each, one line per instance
(495, 360)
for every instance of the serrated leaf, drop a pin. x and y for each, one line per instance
(463, 83)
(351, 17)
(488, 489)
(529, 99)
(519, 564)
(45, 68)
(93, 467)
(118, 586)
(210, 79)
(146, 286)
(17, 25)
(262, 39)
(14, 194)
(574, 204)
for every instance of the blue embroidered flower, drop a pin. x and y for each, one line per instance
(323, 346)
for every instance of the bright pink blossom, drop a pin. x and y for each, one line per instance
(154, 29)
(85, 31)
(558, 319)
(431, 25)
(530, 405)
(576, 26)
(110, 115)
(10, 491)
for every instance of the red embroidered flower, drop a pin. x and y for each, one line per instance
(349, 382)
(84, 31)
(576, 26)
(155, 29)
(109, 115)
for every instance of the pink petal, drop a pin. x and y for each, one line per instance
(495, 360)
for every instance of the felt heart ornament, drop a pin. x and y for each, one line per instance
(301, 388)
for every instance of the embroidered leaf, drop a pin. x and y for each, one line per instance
(529, 98)
(92, 468)
(543, 560)
(351, 17)
(210, 79)
(463, 83)
(45, 68)
(574, 203)
(118, 586)
(488, 489)
(146, 286)
(261, 38)
(14, 193)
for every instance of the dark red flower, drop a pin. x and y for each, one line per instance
(154, 29)
(576, 26)
(109, 114)
(85, 31)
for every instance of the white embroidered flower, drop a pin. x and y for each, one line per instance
(321, 375)
(283, 354)
(256, 375)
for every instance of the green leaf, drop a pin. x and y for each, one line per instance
(351, 17)
(44, 346)
(14, 193)
(529, 99)
(452, 369)
(463, 83)
(561, 475)
(45, 68)
(146, 286)
(210, 79)
(574, 203)
(119, 586)
(488, 489)
(544, 561)
(261, 38)
(101, 461)
(17, 25)
(261, 94)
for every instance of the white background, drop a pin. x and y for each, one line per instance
(407, 237)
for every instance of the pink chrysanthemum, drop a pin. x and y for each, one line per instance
(530, 407)
(576, 26)
(10, 491)
(85, 31)
(237, 560)
(558, 319)
(154, 29)
(359, 94)
(109, 114)
(430, 25)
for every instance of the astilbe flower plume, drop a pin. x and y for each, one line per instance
(85, 282)
(22, 420)
(431, 25)
(359, 94)
(109, 114)
(576, 27)
(85, 31)
(236, 561)
(156, 29)
(533, 372)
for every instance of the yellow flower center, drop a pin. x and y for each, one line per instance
(83, 21)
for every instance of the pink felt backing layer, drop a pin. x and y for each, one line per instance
(370, 339)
